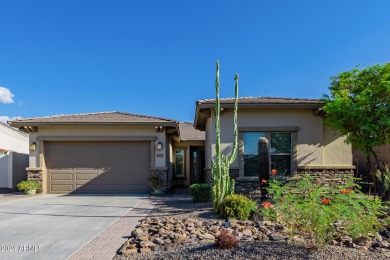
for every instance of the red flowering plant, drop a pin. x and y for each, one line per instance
(312, 209)
(325, 201)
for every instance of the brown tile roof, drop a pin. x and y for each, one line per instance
(187, 132)
(262, 100)
(95, 118)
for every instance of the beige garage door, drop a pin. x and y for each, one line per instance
(97, 167)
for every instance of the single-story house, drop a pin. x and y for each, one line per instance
(110, 152)
(300, 142)
(114, 152)
(13, 156)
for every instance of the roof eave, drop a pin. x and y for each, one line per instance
(268, 105)
(36, 124)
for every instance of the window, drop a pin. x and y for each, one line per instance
(251, 162)
(280, 152)
(179, 163)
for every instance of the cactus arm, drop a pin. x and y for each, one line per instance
(235, 142)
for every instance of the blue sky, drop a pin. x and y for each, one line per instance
(158, 57)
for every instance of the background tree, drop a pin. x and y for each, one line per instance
(359, 107)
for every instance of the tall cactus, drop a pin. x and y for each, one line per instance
(223, 184)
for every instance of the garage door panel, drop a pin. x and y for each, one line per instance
(61, 188)
(54, 176)
(99, 167)
(85, 176)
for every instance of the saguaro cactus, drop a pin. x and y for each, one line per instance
(264, 165)
(223, 185)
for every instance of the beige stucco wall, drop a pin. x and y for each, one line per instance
(336, 151)
(317, 145)
(12, 140)
(360, 159)
(36, 157)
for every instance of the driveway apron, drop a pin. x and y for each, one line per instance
(56, 226)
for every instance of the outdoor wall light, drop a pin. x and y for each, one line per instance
(159, 129)
(33, 146)
(159, 146)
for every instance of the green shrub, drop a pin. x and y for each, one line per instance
(321, 213)
(200, 192)
(238, 207)
(28, 185)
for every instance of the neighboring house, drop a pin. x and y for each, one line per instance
(360, 159)
(13, 156)
(11, 139)
(300, 142)
(109, 152)
(115, 152)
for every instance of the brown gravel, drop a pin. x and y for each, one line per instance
(182, 208)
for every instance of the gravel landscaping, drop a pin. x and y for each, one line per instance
(178, 217)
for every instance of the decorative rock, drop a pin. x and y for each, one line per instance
(157, 248)
(167, 241)
(206, 237)
(146, 244)
(362, 241)
(276, 237)
(129, 251)
(247, 232)
(362, 248)
(143, 238)
(384, 244)
(137, 232)
(145, 250)
(158, 241)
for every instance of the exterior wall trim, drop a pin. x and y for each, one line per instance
(96, 138)
(269, 129)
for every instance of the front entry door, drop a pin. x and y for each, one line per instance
(197, 156)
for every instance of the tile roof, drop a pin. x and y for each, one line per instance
(262, 100)
(14, 129)
(93, 118)
(187, 132)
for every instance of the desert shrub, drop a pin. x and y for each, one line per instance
(320, 212)
(28, 185)
(226, 240)
(238, 207)
(200, 192)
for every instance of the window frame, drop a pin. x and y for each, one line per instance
(267, 130)
(184, 163)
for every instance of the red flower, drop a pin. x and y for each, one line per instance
(325, 201)
(344, 191)
(273, 172)
(263, 181)
(267, 204)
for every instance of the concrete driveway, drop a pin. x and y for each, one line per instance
(56, 226)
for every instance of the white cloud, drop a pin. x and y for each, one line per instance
(6, 96)
(4, 119)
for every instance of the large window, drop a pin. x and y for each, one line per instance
(280, 151)
(251, 161)
(179, 163)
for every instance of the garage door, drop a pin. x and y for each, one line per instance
(97, 167)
